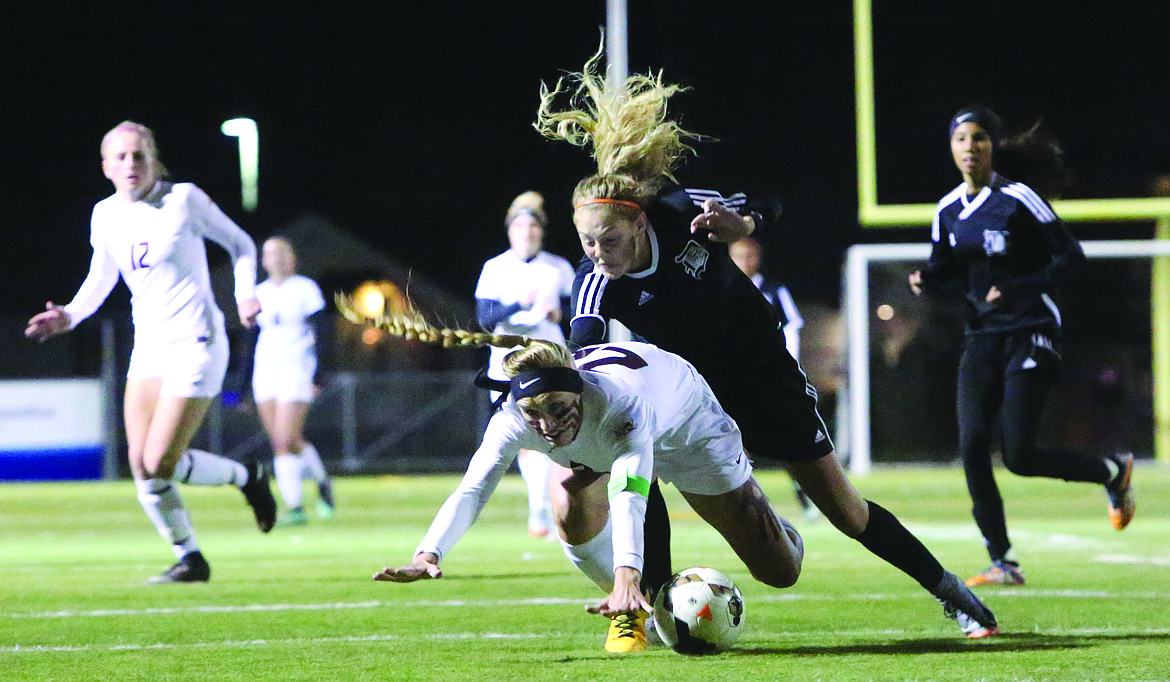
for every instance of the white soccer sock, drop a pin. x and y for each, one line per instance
(1113, 467)
(288, 479)
(534, 469)
(162, 504)
(312, 467)
(197, 467)
(594, 557)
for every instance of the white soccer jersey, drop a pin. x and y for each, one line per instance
(508, 278)
(156, 244)
(285, 337)
(645, 412)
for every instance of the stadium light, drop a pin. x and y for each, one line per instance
(244, 129)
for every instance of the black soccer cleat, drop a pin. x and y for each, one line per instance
(960, 604)
(325, 491)
(192, 568)
(259, 496)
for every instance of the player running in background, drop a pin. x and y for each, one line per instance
(284, 377)
(999, 244)
(524, 291)
(617, 416)
(658, 263)
(151, 232)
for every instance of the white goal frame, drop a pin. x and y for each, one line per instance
(853, 425)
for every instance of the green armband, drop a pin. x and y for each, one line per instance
(634, 484)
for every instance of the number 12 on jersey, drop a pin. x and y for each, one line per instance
(138, 255)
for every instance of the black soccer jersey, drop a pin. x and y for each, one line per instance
(1008, 237)
(693, 301)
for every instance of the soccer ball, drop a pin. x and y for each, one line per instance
(698, 611)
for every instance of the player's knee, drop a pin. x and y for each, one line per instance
(779, 575)
(161, 470)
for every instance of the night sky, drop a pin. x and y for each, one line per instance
(410, 123)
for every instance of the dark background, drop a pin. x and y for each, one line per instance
(410, 123)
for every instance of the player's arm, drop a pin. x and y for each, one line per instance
(222, 230)
(941, 271)
(500, 446)
(489, 312)
(99, 282)
(587, 327)
(629, 485)
(1066, 254)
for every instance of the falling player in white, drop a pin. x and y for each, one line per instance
(520, 292)
(283, 385)
(151, 232)
(620, 415)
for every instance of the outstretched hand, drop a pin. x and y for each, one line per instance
(424, 567)
(626, 597)
(724, 224)
(49, 323)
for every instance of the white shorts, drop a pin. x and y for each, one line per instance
(288, 382)
(189, 368)
(713, 462)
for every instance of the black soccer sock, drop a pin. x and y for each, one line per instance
(656, 542)
(886, 537)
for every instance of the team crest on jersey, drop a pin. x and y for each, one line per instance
(693, 258)
(995, 242)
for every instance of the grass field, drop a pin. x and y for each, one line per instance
(300, 605)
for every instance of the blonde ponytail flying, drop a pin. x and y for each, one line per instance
(636, 148)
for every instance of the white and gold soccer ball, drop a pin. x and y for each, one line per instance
(698, 611)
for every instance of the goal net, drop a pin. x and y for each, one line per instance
(902, 354)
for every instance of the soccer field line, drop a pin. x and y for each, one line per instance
(362, 639)
(540, 601)
(36, 648)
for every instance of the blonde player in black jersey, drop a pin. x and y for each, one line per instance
(151, 232)
(657, 261)
(999, 243)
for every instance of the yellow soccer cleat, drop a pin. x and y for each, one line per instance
(627, 633)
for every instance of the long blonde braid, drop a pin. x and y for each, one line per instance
(414, 327)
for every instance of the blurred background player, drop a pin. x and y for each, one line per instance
(996, 242)
(748, 256)
(151, 232)
(285, 368)
(658, 263)
(525, 291)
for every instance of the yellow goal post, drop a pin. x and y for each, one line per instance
(873, 214)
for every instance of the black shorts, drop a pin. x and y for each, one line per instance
(775, 407)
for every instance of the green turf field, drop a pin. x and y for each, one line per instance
(300, 605)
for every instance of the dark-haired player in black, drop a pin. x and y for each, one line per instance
(1000, 244)
(658, 263)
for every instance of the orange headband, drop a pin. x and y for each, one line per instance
(619, 202)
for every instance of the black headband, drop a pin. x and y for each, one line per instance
(987, 119)
(533, 382)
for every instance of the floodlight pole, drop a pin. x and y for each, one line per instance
(244, 129)
(616, 42)
(617, 69)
